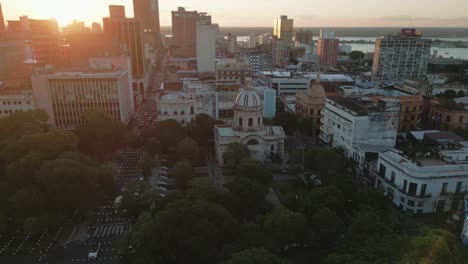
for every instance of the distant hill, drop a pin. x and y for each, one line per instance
(348, 32)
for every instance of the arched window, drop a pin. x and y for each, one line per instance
(250, 122)
(240, 121)
(252, 142)
(272, 147)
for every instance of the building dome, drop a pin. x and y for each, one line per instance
(248, 99)
(317, 92)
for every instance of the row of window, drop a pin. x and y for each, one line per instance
(11, 111)
(15, 102)
(250, 122)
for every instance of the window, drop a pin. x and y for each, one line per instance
(252, 142)
(402, 199)
(250, 122)
(444, 188)
(259, 120)
(192, 110)
(459, 185)
(382, 170)
(448, 119)
(460, 120)
(411, 203)
(420, 204)
(423, 190)
(412, 188)
(311, 111)
(405, 184)
(392, 180)
(272, 147)
(414, 108)
(240, 121)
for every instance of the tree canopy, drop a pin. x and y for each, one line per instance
(184, 232)
(235, 153)
(100, 135)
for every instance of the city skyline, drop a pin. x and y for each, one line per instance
(397, 13)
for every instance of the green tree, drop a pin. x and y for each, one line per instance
(206, 124)
(327, 228)
(188, 151)
(100, 135)
(280, 107)
(152, 146)
(235, 153)
(435, 246)
(3, 223)
(450, 94)
(183, 173)
(285, 229)
(254, 169)
(255, 256)
(288, 121)
(356, 55)
(184, 232)
(248, 197)
(461, 93)
(170, 133)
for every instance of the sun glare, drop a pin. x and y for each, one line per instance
(65, 11)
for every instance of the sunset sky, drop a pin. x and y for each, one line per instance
(316, 13)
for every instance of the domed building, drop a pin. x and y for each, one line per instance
(309, 105)
(249, 130)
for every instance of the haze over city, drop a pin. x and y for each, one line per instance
(331, 13)
(233, 132)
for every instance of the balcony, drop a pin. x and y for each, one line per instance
(409, 195)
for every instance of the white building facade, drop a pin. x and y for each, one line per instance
(426, 187)
(397, 58)
(67, 94)
(347, 123)
(206, 46)
(15, 97)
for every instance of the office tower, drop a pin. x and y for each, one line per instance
(43, 36)
(117, 11)
(280, 50)
(148, 13)
(184, 31)
(399, 57)
(66, 94)
(206, 46)
(96, 27)
(303, 36)
(127, 31)
(328, 48)
(2, 22)
(231, 43)
(284, 28)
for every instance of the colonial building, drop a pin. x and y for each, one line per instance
(309, 105)
(248, 129)
(349, 123)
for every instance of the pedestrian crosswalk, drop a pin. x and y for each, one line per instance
(111, 230)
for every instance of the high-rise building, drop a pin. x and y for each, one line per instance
(303, 36)
(206, 46)
(284, 28)
(328, 48)
(66, 94)
(43, 36)
(184, 31)
(280, 49)
(127, 31)
(96, 27)
(148, 12)
(399, 57)
(117, 11)
(231, 43)
(2, 22)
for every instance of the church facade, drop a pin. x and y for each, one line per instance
(248, 129)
